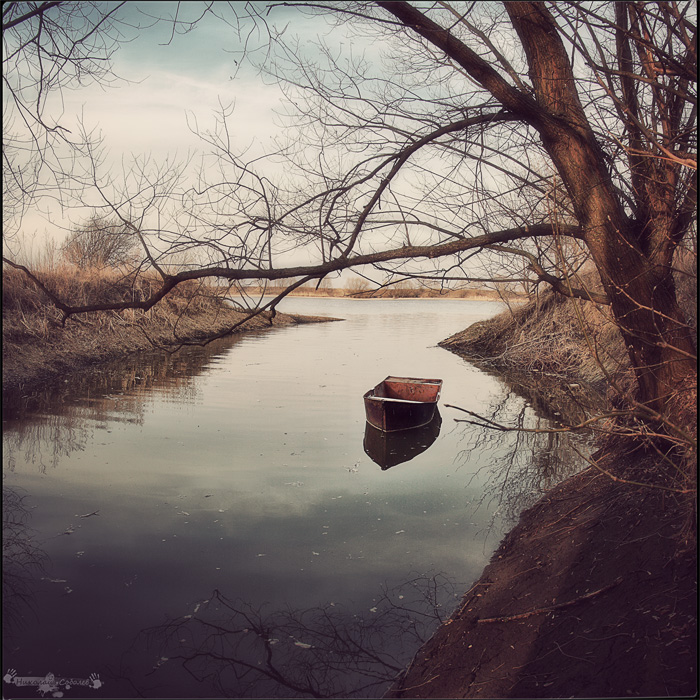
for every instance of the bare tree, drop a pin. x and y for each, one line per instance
(530, 129)
(100, 243)
(48, 47)
(357, 285)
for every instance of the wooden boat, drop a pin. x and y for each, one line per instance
(389, 449)
(402, 403)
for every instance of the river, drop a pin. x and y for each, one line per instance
(210, 524)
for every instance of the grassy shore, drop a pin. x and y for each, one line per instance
(569, 339)
(38, 347)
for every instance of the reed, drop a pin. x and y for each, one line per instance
(28, 313)
(38, 346)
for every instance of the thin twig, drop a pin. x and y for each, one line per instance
(488, 423)
(619, 480)
(558, 606)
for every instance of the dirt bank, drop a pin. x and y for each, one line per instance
(594, 593)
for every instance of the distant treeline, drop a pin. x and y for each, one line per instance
(391, 293)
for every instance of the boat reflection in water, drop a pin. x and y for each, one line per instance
(387, 449)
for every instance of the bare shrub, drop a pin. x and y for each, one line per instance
(100, 244)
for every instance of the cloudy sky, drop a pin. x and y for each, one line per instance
(172, 75)
(169, 82)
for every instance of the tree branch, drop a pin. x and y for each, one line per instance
(309, 271)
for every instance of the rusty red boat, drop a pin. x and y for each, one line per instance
(402, 403)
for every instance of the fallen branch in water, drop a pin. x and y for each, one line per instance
(488, 423)
(558, 606)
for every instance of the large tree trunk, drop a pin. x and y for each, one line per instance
(632, 257)
(657, 335)
(634, 268)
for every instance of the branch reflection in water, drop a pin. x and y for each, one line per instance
(324, 652)
(23, 560)
(525, 465)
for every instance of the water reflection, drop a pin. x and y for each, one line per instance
(22, 560)
(526, 464)
(53, 421)
(222, 470)
(120, 386)
(237, 650)
(392, 448)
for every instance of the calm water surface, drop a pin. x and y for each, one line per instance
(209, 523)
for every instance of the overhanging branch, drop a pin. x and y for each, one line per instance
(308, 271)
(562, 286)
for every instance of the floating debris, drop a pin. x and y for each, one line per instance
(199, 605)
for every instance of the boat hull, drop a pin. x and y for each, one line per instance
(402, 403)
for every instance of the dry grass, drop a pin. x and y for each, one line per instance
(27, 313)
(551, 344)
(572, 339)
(567, 337)
(38, 347)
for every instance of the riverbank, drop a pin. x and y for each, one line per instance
(77, 348)
(551, 336)
(38, 348)
(594, 592)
